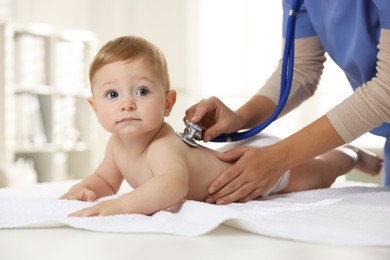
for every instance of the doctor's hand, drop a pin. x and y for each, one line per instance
(214, 117)
(256, 170)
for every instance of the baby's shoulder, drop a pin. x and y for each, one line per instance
(168, 146)
(165, 144)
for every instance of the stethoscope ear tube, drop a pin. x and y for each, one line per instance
(285, 82)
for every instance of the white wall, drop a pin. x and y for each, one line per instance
(162, 22)
(214, 47)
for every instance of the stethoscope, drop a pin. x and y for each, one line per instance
(193, 132)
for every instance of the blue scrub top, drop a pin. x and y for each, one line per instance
(349, 32)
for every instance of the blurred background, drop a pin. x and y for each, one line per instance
(224, 48)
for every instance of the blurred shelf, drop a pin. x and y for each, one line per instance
(44, 115)
(51, 148)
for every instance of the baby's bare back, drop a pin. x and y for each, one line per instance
(204, 168)
(203, 164)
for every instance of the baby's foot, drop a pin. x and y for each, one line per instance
(367, 162)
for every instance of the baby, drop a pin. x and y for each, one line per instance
(131, 95)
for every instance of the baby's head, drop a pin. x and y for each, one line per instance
(130, 86)
(131, 48)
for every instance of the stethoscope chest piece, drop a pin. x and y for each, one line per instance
(191, 133)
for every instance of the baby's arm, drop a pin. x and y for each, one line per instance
(104, 181)
(89, 189)
(168, 187)
(159, 193)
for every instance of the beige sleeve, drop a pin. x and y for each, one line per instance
(369, 106)
(308, 66)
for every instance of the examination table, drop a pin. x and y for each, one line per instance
(232, 236)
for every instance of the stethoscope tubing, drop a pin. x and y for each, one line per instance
(285, 82)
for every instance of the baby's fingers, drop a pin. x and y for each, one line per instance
(89, 196)
(87, 212)
(83, 195)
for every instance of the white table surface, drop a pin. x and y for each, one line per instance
(223, 243)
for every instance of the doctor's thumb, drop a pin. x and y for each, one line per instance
(231, 155)
(213, 131)
(209, 134)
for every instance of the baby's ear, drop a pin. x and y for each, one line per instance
(170, 100)
(92, 103)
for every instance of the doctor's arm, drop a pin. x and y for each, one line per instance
(215, 118)
(257, 169)
(309, 59)
(369, 106)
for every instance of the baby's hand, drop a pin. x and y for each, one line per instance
(79, 192)
(104, 208)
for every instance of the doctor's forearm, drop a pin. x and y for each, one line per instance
(313, 140)
(308, 66)
(256, 111)
(369, 105)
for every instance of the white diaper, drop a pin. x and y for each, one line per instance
(279, 185)
(261, 140)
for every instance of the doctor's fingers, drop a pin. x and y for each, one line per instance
(230, 186)
(261, 185)
(231, 173)
(204, 112)
(243, 181)
(189, 113)
(196, 112)
(233, 192)
(215, 130)
(233, 155)
(244, 188)
(257, 191)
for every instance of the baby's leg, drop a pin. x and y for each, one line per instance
(367, 162)
(323, 170)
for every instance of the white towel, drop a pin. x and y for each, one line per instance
(343, 216)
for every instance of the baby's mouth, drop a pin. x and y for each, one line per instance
(128, 119)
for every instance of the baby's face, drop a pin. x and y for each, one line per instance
(128, 98)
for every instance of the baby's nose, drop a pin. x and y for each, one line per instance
(128, 105)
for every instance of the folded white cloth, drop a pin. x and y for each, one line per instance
(344, 216)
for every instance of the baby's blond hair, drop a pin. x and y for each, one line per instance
(130, 48)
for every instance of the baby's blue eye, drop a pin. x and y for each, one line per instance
(142, 92)
(112, 94)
